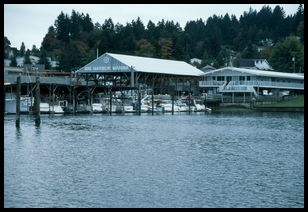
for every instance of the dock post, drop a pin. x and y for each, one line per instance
(139, 102)
(110, 101)
(37, 102)
(53, 100)
(89, 101)
(18, 102)
(74, 100)
(153, 101)
(189, 97)
(173, 103)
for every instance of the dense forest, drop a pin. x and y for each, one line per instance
(269, 34)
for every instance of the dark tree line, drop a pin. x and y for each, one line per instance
(73, 40)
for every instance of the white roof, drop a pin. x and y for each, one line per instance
(195, 60)
(154, 65)
(263, 65)
(260, 73)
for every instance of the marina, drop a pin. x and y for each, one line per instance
(153, 106)
(115, 83)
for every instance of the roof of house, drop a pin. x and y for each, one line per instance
(139, 64)
(259, 73)
(207, 68)
(252, 63)
(195, 60)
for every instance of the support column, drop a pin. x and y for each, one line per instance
(153, 98)
(89, 100)
(173, 103)
(74, 100)
(18, 102)
(139, 102)
(37, 101)
(110, 101)
(189, 97)
(132, 77)
(53, 99)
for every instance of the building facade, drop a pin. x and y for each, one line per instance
(245, 84)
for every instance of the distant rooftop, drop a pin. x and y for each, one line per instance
(260, 64)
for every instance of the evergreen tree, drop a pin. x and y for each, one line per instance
(7, 47)
(35, 51)
(145, 48)
(165, 48)
(43, 60)
(284, 52)
(22, 50)
(87, 24)
(62, 25)
(27, 57)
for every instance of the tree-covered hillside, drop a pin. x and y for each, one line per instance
(73, 40)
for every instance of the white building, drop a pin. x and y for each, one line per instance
(195, 61)
(231, 81)
(20, 61)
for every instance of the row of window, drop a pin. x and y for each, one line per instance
(247, 78)
(229, 78)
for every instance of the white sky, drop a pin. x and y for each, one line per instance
(29, 23)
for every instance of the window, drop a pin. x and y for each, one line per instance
(248, 78)
(220, 78)
(242, 78)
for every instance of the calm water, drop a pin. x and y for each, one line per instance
(213, 160)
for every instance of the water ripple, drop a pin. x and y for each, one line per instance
(217, 160)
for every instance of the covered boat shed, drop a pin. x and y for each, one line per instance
(126, 72)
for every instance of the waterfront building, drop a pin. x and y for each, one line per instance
(131, 72)
(229, 83)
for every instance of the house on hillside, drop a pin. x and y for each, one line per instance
(195, 61)
(207, 68)
(260, 64)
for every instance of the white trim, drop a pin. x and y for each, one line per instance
(259, 73)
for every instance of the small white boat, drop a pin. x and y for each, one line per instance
(97, 107)
(56, 109)
(128, 108)
(25, 104)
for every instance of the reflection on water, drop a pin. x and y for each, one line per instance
(198, 160)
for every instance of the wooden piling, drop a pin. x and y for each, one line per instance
(153, 101)
(18, 102)
(37, 102)
(90, 101)
(173, 103)
(189, 97)
(139, 102)
(110, 102)
(74, 100)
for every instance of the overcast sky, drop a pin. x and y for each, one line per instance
(29, 23)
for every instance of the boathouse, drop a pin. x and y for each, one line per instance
(131, 72)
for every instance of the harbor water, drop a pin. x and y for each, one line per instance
(224, 159)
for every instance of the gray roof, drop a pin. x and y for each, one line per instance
(108, 63)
